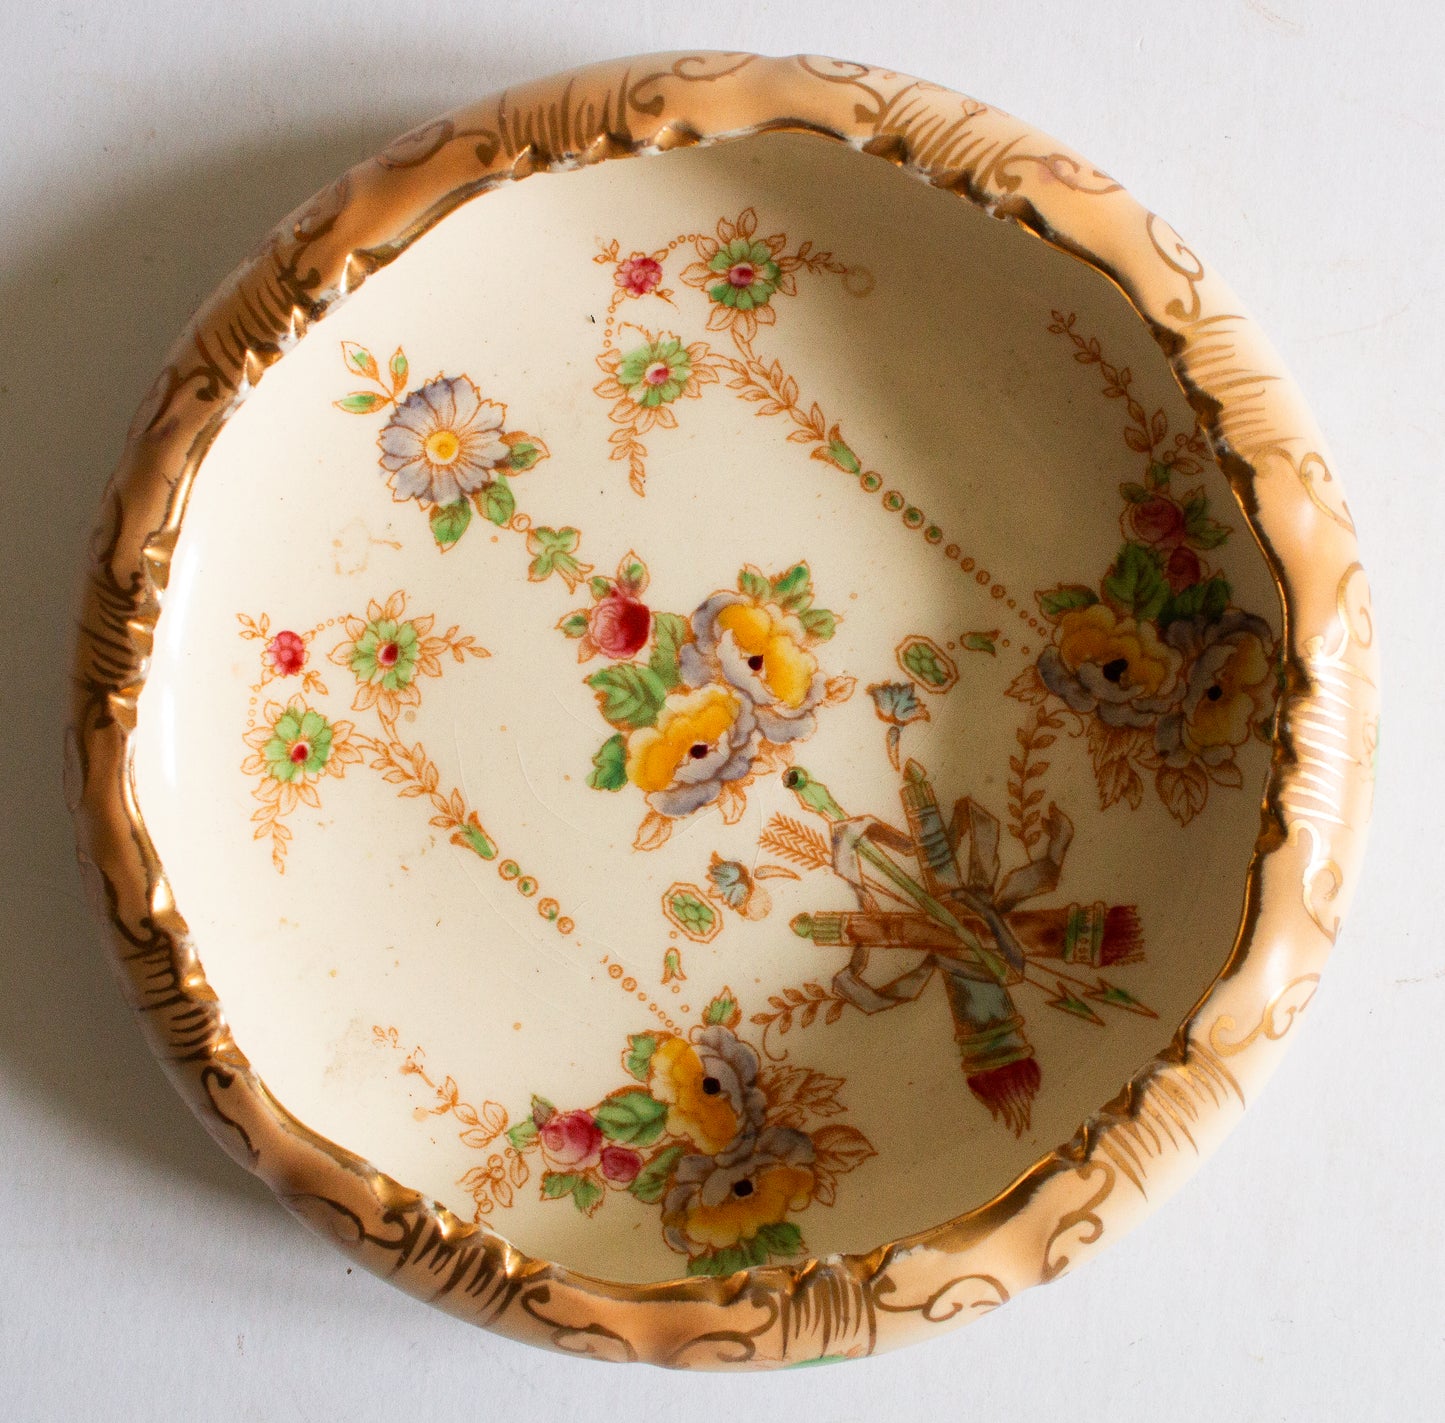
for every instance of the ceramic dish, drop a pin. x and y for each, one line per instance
(724, 759)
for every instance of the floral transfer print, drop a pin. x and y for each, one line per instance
(388, 653)
(741, 276)
(284, 653)
(742, 272)
(727, 1149)
(738, 888)
(719, 697)
(644, 378)
(293, 747)
(1160, 671)
(689, 909)
(444, 444)
(956, 915)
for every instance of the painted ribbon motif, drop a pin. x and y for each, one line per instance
(964, 918)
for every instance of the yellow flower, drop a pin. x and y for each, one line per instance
(675, 1076)
(1228, 690)
(1128, 654)
(710, 1088)
(1114, 665)
(715, 1203)
(773, 1192)
(763, 651)
(700, 740)
(771, 643)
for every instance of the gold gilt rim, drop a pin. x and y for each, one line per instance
(1137, 1147)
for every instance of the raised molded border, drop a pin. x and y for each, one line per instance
(1137, 1147)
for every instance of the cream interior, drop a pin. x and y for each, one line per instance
(941, 371)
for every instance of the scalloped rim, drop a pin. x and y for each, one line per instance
(1138, 1147)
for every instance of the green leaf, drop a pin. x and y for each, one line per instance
(554, 554)
(551, 540)
(473, 839)
(629, 695)
(574, 625)
(784, 1238)
(921, 659)
(1057, 601)
(399, 368)
(980, 642)
(838, 453)
(793, 590)
(1134, 493)
(752, 583)
(525, 453)
(1210, 536)
(585, 1195)
(556, 1184)
(1208, 600)
(361, 402)
(609, 765)
(360, 359)
(669, 632)
(497, 502)
(695, 915)
(1200, 531)
(633, 1118)
(640, 1047)
(634, 575)
(819, 622)
(651, 1182)
(542, 1109)
(524, 1133)
(719, 1262)
(449, 522)
(723, 1009)
(1136, 583)
(600, 587)
(1158, 476)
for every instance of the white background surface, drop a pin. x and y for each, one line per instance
(145, 147)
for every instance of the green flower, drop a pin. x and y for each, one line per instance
(656, 373)
(386, 654)
(749, 274)
(299, 745)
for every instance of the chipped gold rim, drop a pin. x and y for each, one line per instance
(1125, 1158)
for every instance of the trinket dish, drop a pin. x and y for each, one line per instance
(728, 758)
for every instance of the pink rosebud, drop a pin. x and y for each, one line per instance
(620, 1164)
(286, 654)
(638, 275)
(1183, 569)
(619, 625)
(571, 1141)
(1155, 520)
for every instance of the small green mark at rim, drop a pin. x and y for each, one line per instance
(870, 481)
(549, 909)
(527, 886)
(893, 501)
(913, 517)
(933, 534)
(509, 869)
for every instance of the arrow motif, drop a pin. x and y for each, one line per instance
(1067, 1002)
(1116, 997)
